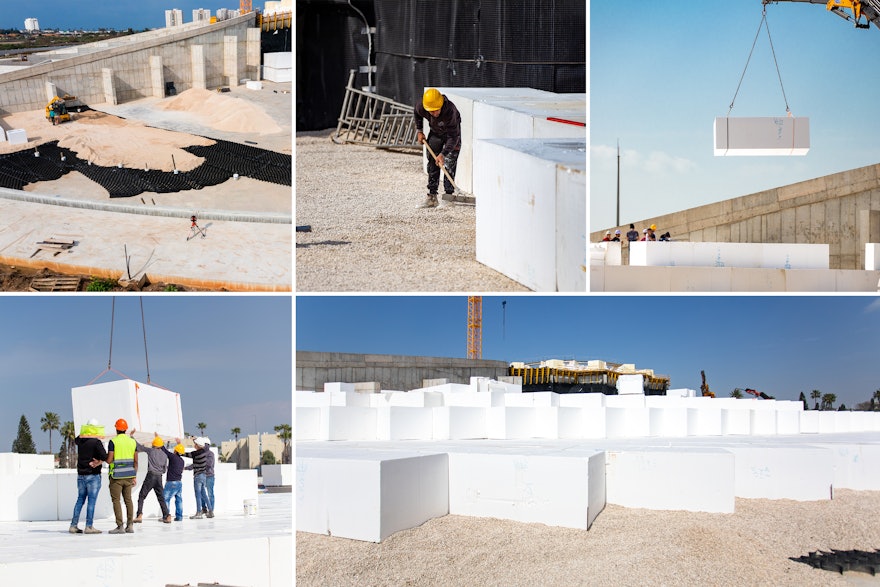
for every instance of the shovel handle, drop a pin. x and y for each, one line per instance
(448, 176)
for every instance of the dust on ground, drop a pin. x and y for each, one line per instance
(624, 547)
(368, 233)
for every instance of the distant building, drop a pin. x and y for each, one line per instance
(274, 7)
(226, 13)
(31, 25)
(173, 17)
(201, 15)
(245, 452)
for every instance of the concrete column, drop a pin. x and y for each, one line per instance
(51, 91)
(157, 77)
(230, 60)
(253, 54)
(109, 86)
(199, 75)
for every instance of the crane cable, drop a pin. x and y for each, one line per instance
(763, 23)
(110, 357)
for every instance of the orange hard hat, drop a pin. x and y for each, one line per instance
(121, 424)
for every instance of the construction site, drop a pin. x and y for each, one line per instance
(162, 157)
(818, 234)
(514, 217)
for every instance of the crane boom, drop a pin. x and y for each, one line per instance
(870, 9)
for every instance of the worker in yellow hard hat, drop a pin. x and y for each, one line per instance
(444, 139)
(174, 479)
(157, 464)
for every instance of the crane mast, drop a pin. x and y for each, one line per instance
(475, 327)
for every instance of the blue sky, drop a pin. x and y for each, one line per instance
(661, 72)
(118, 14)
(779, 345)
(229, 357)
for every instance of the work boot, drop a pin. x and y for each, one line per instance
(197, 516)
(129, 529)
(75, 530)
(167, 519)
(210, 513)
(430, 201)
(92, 530)
(178, 519)
(117, 530)
(139, 519)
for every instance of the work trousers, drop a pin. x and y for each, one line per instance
(436, 142)
(152, 482)
(208, 494)
(175, 489)
(199, 480)
(87, 487)
(122, 488)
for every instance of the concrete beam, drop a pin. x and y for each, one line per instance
(109, 86)
(253, 54)
(157, 77)
(230, 60)
(199, 73)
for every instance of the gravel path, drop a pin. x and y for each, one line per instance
(368, 233)
(624, 547)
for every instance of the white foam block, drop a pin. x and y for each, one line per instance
(581, 422)
(625, 401)
(762, 422)
(546, 422)
(146, 408)
(510, 423)
(311, 399)
(483, 399)
(582, 400)
(16, 136)
(351, 423)
(545, 398)
(788, 422)
(872, 257)
(809, 422)
(704, 421)
(519, 400)
(856, 466)
(524, 216)
(631, 384)
(552, 490)
(696, 479)
(842, 422)
(350, 398)
(337, 386)
(278, 75)
(404, 423)
(765, 135)
(415, 399)
(802, 473)
(280, 60)
(668, 422)
(743, 255)
(277, 475)
(827, 422)
(736, 421)
(627, 422)
(459, 423)
(308, 423)
(394, 491)
(253, 85)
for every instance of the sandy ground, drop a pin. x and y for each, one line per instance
(624, 547)
(149, 132)
(368, 233)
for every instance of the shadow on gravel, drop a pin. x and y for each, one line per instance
(307, 245)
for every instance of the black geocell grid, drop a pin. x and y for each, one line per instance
(839, 561)
(221, 161)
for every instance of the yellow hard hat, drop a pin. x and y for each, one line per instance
(179, 449)
(157, 442)
(653, 227)
(432, 100)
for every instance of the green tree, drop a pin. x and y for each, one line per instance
(284, 433)
(736, 393)
(68, 437)
(268, 458)
(876, 398)
(24, 442)
(828, 401)
(816, 394)
(842, 408)
(803, 400)
(201, 426)
(235, 432)
(50, 422)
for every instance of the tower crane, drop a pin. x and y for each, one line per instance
(245, 6)
(475, 327)
(870, 9)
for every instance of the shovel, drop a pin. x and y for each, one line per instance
(462, 196)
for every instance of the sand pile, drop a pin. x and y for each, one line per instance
(109, 140)
(222, 112)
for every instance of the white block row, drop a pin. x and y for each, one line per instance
(747, 255)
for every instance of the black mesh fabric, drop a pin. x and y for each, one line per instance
(479, 43)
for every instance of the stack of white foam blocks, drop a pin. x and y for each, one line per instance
(489, 450)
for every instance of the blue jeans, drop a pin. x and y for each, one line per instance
(208, 493)
(87, 486)
(174, 489)
(199, 480)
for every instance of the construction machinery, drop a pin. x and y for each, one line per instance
(869, 9)
(755, 393)
(58, 109)
(475, 327)
(704, 388)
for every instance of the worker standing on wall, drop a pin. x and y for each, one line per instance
(444, 139)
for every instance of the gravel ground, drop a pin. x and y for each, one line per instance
(368, 233)
(624, 547)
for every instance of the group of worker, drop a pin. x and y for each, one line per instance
(632, 235)
(121, 456)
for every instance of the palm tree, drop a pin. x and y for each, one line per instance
(877, 397)
(284, 433)
(815, 395)
(828, 401)
(50, 422)
(68, 435)
(236, 431)
(201, 426)
(736, 393)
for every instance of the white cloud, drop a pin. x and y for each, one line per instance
(873, 306)
(655, 162)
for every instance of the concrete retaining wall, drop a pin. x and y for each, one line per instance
(125, 69)
(841, 210)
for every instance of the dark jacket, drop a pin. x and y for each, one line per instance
(88, 449)
(175, 465)
(447, 124)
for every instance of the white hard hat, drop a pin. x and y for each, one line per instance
(93, 422)
(205, 440)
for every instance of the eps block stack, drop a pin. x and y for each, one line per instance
(278, 67)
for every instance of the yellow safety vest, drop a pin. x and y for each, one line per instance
(124, 448)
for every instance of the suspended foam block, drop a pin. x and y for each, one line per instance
(765, 135)
(144, 407)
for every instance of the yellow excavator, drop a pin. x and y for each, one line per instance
(56, 111)
(704, 388)
(869, 9)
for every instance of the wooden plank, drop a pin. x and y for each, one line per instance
(55, 283)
